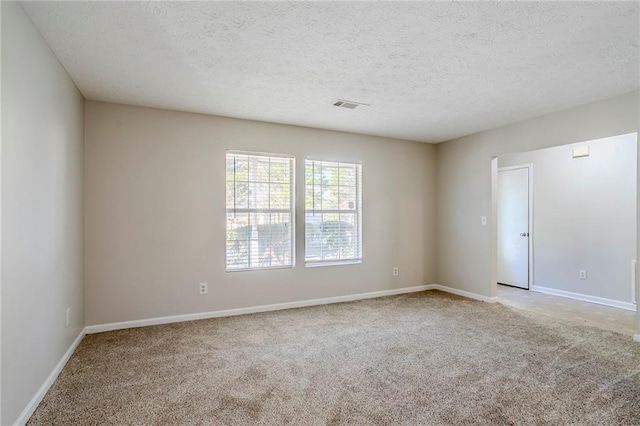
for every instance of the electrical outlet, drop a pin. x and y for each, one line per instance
(203, 288)
(396, 271)
(68, 317)
(583, 275)
(483, 220)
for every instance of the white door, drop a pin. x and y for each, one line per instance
(513, 227)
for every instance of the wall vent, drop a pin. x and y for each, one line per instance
(341, 103)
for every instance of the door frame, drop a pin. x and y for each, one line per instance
(529, 167)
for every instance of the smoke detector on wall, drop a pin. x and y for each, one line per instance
(341, 103)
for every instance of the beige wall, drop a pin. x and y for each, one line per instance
(155, 213)
(464, 181)
(584, 216)
(42, 132)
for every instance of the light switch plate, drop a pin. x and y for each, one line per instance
(581, 151)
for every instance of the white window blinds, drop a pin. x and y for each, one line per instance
(333, 212)
(260, 211)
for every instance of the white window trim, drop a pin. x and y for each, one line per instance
(322, 263)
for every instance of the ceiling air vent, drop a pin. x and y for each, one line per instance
(340, 103)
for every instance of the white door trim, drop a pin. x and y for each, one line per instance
(529, 167)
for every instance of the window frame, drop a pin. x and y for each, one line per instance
(358, 214)
(291, 210)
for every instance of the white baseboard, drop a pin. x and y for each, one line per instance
(37, 398)
(586, 298)
(636, 338)
(100, 328)
(464, 293)
(251, 310)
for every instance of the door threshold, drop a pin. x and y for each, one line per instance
(514, 286)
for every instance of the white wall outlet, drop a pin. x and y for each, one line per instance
(583, 274)
(203, 288)
(396, 271)
(68, 317)
(483, 220)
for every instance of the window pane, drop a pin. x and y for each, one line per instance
(259, 196)
(308, 175)
(239, 167)
(313, 197)
(280, 170)
(237, 195)
(280, 195)
(350, 235)
(258, 169)
(313, 236)
(348, 175)
(332, 236)
(347, 197)
(230, 193)
(271, 241)
(330, 197)
(238, 240)
(330, 174)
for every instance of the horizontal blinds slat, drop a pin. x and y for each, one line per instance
(259, 210)
(318, 211)
(355, 259)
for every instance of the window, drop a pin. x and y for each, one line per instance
(333, 212)
(260, 211)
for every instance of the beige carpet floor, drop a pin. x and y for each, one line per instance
(578, 311)
(422, 358)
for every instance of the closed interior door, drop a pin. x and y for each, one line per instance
(513, 227)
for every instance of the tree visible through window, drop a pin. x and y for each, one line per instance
(260, 211)
(333, 212)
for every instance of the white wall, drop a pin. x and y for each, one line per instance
(42, 137)
(155, 213)
(584, 216)
(464, 181)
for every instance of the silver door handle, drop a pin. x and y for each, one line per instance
(524, 234)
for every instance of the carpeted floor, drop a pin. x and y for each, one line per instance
(422, 358)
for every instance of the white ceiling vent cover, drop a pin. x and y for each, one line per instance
(341, 103)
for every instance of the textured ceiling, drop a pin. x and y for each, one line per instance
(430, 71)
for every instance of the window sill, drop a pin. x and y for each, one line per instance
(336, 263)
(260, 269)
